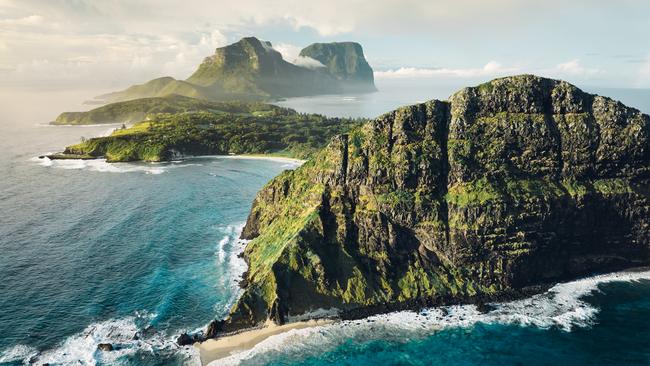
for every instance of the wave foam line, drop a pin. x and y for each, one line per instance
(228, 256)
(81, 348)
(100, 165)
(562, 307)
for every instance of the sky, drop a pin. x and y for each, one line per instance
(110, 44)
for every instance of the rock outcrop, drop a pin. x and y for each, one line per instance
(251, 69)
(345, 61)
(500, 191)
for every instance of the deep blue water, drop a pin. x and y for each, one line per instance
(93, 252)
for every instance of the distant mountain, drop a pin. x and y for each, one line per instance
(343, 60)
(251, 69)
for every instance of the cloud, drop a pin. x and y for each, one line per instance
(492, 68)
(126, 41)
(213, 40)
(308, 62)
(574, 68)
(328, 28)
(291, 53)
(30, 20)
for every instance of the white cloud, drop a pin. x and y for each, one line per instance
(574, 68)
(29, 20)
(327, 28)
(213, 40)
(308, 62)
(126, 41)
(291, 53)
(492, 68)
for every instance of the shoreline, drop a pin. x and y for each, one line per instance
(211, 350)
(215, 349)
(280, 159)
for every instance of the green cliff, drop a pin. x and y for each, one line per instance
(500, 191)
(251, 69)
(221, 129)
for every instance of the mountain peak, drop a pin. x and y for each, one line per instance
(252, 69)
(344, 60)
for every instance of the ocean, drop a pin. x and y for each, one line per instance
(133, 254)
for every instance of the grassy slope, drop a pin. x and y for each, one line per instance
(140, 109)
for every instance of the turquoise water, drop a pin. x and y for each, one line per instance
(135, 254)
(93, 252)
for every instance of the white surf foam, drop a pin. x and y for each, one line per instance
(227, 256)
(81, 349)
(100, 165)
(18, 353)
(562, 307)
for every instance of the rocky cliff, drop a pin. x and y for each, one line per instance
(251, 69)
(344, 61)
(501, 190)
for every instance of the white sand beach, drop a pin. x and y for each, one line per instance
(215, 349)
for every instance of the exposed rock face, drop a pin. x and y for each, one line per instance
(251, 69)
(106, 347)
(251, 66)
(505, 188)
(345, 61)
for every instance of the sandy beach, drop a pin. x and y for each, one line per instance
(215, 349)
(265, 157)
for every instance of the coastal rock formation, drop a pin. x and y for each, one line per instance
(344, 61)
(105, 347)
(251, 69)
(500, 191)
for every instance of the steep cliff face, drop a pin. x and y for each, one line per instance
(506, 187)
(250, 69)
(345, 61)
(249, 66)
(253, 67)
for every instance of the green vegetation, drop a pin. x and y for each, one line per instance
(159, 87)
(230, 128)
(612, 186)
(142, 109)
(476, 192)
(503, 189)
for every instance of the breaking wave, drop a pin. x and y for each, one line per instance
(561, 307)
(100, 165)
(127, 336)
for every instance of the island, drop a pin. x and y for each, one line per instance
(219, 128)
(251, 69)
(499, 192)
